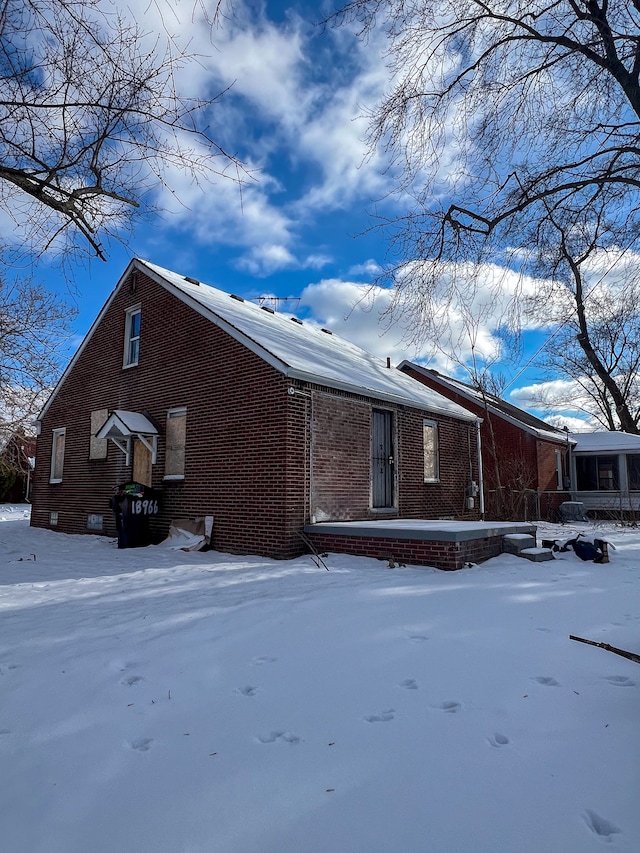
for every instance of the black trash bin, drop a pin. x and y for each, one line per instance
(133, 506)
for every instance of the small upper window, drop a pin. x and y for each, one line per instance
(57, 455)
(132, 336)
(430, 441)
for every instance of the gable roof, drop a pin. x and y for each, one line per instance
(297, 350)
(508, 412)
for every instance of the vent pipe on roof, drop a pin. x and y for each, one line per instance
(238, 298)
(191, 280)
(388, 363)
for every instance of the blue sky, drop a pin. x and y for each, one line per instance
(295, 115)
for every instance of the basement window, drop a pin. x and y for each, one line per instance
(57, 455)
(176, 443)
(430, 447)
(132, 336)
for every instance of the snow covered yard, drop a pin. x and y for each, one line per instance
(187, 702)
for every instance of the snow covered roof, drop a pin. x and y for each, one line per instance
(126, 424)
(301, 351)
(606, 442)
(507, 411)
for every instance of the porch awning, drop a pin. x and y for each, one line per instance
(121, 426)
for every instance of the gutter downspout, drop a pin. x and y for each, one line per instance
(480, 471)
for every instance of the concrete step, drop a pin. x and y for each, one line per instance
(537, 555)
(513, 543)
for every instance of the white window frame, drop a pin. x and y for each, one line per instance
(432, 425)
(127, 359)
(56, 435)
(176, 412)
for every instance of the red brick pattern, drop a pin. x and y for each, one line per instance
(441, 555)
(510, 455)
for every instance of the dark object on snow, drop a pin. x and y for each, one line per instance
(596, 551)
(133, 504)
(628, 655)
(572, 511)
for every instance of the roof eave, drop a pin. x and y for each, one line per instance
(363, 391)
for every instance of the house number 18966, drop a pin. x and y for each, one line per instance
(146, 507)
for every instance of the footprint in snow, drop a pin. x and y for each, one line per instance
(247, 691)
(620, 680)
(260, 661)
(546, 681)
(141, 744)
(284, 737)
(448, 707)
(132, 680)
(417, 638)
(497, 740)
(382, 717)
(600, 825)
(409, 684)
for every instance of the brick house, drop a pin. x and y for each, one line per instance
(525, 461)
(231, 410)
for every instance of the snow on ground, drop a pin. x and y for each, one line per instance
(187, 702)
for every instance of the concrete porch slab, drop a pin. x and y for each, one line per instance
(411, 528)
(442, 544)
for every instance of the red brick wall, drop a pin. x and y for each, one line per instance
(341, 449)
(440, 555)
(523, 461)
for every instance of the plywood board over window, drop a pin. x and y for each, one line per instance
(98, 447)
(176, 433)
(57, 454)
(142, 463)
(431, 455)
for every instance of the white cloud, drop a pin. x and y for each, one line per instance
(295, 104)
(560, 401)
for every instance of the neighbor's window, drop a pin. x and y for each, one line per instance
(633, 469)
(98, 446)
(597, 473)
(430, 442)
(132, 336)
(57, 455)
(176, 442)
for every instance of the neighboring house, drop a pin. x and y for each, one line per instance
(255, 418)
(525, 460)
(606, 473)
(17, 458)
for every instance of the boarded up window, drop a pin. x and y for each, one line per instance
(98, 446)
(176, 443)
(431, 462)
(57, 455)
